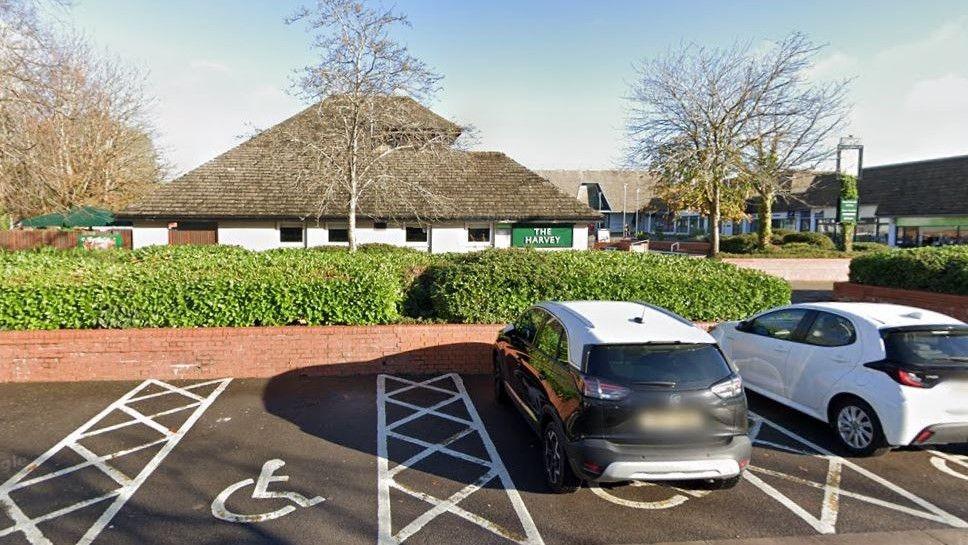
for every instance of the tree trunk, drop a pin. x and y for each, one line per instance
(351, 225)
(715, 220)
(847, 240)
(765, 231)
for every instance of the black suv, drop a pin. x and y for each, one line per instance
(622, 391)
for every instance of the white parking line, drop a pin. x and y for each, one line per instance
(827, 522)
(127, 486)
(495, 467)
(940, 461)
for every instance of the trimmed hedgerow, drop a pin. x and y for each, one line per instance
(197, 286)
(942, 269)
(496, 286)
(229, 286)
(819, 240)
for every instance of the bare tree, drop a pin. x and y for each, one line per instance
(796, 135)
(74, 126)
(692, 120)
(367, 131)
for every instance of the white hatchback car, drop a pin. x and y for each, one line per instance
(881, 375)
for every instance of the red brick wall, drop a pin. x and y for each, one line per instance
(136, 354)
(952, 305)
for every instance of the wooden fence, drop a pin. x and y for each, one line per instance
(25, 239)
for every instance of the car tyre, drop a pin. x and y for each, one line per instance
(725, 484)
(857, 428)
(500, 394)
(557, 469)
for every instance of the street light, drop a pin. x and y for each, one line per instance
(625, 203)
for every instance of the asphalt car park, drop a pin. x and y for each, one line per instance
(386, 459)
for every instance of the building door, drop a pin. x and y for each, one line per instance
(193, 232)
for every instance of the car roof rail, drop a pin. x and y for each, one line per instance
(667, 312)
(552, 305)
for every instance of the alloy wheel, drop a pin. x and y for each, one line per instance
(855, 427)
(552, 456)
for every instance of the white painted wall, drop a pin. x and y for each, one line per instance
(264, 235)
(579, 238)
(249, 235)
(149, 234)
(448, 237)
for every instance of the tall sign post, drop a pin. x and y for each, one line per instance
(850, 162)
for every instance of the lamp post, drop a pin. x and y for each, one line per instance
(636, 210)
(625, 202)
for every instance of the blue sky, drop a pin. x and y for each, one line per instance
(543, 81)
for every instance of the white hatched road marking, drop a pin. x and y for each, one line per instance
(495, 467)
(827, 522)
(940, 461)
(127, 486)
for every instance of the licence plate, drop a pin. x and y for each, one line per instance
(670, 420)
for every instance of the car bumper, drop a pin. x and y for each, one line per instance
(942, 434)
(621, 462)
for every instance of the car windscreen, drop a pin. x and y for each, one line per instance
(679, 366)
(945, 346)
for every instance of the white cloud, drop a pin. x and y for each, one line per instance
(208, 65)
(947, 94)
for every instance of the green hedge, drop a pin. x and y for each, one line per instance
(496, 285)
(228, 286)
(943, 269)
(819, 240)
(197, 286)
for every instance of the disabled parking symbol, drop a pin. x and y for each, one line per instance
(261, 491)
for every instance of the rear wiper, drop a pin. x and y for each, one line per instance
(663, 383)
(956, 358)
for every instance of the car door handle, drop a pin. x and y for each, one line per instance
(782, 350)
(839, 359)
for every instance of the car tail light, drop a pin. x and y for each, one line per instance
(925, 434)
(728, 388)
(599, 389)
(915, 380)
(592, 467)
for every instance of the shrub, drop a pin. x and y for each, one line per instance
(819, 240)
(778, 235)
(197, 286)
(942, 269)
(739, 244)
(870, 247)
(497, 285)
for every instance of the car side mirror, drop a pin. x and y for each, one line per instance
(743, 326)
(507, 330)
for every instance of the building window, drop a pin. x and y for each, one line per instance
(478, 234)
(290, 234)
(339, 235)
(416, 234)
(379, 225)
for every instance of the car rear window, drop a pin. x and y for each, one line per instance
(686, 366)
(936, 347)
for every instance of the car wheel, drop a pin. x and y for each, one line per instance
(557, 469)
(725, 484)
(500, 394)
(858, 428)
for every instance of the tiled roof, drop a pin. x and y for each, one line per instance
(618, 187)
(922, 188)
(255, 180)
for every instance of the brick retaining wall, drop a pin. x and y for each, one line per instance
(136, 354)
(216, 352)
(945, 303)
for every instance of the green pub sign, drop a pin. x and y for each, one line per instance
(541, 236)
(847, 210)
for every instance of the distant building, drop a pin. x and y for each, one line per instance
(247, 197)
(905, 204)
